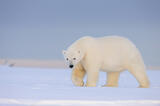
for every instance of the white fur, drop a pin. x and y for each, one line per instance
(112, 54)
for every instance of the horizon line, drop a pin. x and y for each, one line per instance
(46, 63)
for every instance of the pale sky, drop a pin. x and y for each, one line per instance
(41, 29)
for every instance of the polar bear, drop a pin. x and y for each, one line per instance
(111, 54)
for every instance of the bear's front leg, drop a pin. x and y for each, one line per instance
(112, 79)
(78, 74)
(92, 77)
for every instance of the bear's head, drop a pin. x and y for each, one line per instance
(72, 57)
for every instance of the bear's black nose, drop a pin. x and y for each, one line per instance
(70, 66)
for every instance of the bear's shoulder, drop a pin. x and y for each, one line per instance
(86, 38)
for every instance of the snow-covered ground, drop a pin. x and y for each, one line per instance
(36, 87)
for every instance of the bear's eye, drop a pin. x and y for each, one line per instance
(74, 58)
(67, 59)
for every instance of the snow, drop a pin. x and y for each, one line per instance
(53, 87)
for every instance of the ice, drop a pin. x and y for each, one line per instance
(41, 86)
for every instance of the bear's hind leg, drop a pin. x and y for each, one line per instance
(112, 79)
(78, 74)
(140, 74)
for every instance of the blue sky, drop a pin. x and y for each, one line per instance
(41, 29)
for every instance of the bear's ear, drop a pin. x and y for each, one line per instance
(64, 52)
